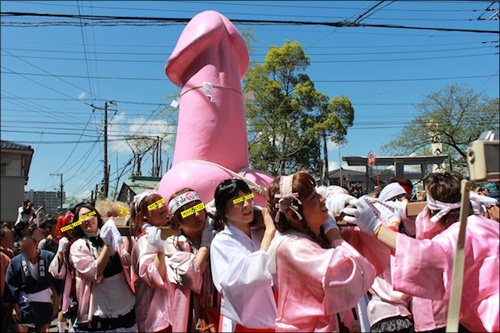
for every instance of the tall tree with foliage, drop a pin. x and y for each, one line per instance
(285, 111)
(331, 124)
(454, 116)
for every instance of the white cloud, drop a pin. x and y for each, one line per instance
(82, 95)
(330, 145)
(83, 195)
(332, 165)
(146, 132)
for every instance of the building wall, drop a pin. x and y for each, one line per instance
(12, 181)
(12, 194)
(50, 200)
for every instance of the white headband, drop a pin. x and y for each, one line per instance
(286, 198)
(328, 191)
(390, 191)
(181, 200)
(479, 202)
(140, 198)
(443, 207)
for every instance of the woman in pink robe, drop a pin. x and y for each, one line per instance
(194, 301)
(316, 272)
(103, 289)
(60, 267)
(152, 288)
(423, 267)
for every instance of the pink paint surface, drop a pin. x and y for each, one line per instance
(210, 49)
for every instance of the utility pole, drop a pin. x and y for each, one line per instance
(61, 187)
(340, 169)
(105, 181)
(106, 165)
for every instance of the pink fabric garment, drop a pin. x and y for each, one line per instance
(428, 314)
(59, 270)
(386, 302)
(185, 276)
(314, 284)
(423, 268)
(370, 248)
(425, 229)
(152, 308)
(85, 264)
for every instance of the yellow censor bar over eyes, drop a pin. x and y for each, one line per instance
(156, 204)
(80, 220)
(245, 198)
(192, 210)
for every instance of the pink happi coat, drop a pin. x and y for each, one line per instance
(314, 284)
(59, 270)
(86, 279)
(386, 302)
(152, 308)
(185, 275)
(423, 268)
(428, 314)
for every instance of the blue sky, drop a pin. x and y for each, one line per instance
(52, 74)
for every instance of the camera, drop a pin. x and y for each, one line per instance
(483, 158)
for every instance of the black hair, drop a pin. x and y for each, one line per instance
(226, 190)
(77, 230)
(49, 223)
(18, 227)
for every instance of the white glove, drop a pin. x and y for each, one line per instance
(387, 216)
(362, 216)
(337, 202)
(394, 218)
(154, 238)
(329, 224)
(208, 234)
(63, 244)
(110, 234)
(399, 207)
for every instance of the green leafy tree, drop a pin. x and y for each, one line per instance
(289, 116)
(454, 117)
(331, 124)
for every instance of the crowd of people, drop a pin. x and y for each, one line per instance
(315, 259)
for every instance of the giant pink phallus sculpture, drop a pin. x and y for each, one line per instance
(208, 63)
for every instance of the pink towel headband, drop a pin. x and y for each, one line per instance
(286, 197)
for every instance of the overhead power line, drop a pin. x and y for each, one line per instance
(329, 61)
(162, 54)
(324, 81)
(253, 4)
(109, 20)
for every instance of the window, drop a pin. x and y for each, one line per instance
(3, 169)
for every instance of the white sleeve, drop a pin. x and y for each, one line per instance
(245, 283)
(182, 267)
